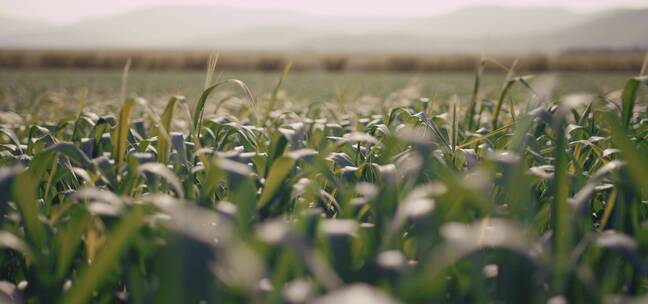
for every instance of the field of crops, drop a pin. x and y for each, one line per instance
(509, 191)
(58, 92)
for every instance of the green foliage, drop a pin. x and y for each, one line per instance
(405, 202)
(164, 129)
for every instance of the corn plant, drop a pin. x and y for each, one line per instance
(405, 204)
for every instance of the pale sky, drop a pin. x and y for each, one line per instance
(67, 11)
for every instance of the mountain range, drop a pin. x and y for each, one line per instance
(502, 29)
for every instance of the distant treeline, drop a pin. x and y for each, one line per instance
(194, 60)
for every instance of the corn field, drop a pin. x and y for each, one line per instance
(493, 200)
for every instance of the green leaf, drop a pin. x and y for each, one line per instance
(279, 171)
(560, 213)
(120, 133)
(93, 276)
(164, 129)
(506, 90)
(14, 139)
(629, 97)
(200, 105)
(72, 152)
(161, 170)
(472, 108)
(11, 241)
(68, 239)
(24, 193)
(275, 92)
(637, 160)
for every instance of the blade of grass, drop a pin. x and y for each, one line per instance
(628, 98)
(273, 98)
(200, 105)
(280, 169)
(164, 129)
(120, 133)
(470, 116)
(637, 160)
(211, 67)
(561, 231)
(124, 81)
(508, 84)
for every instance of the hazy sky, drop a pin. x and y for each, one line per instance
(65, 11)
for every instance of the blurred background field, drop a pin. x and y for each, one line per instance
(597, 60)
(22, 90)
